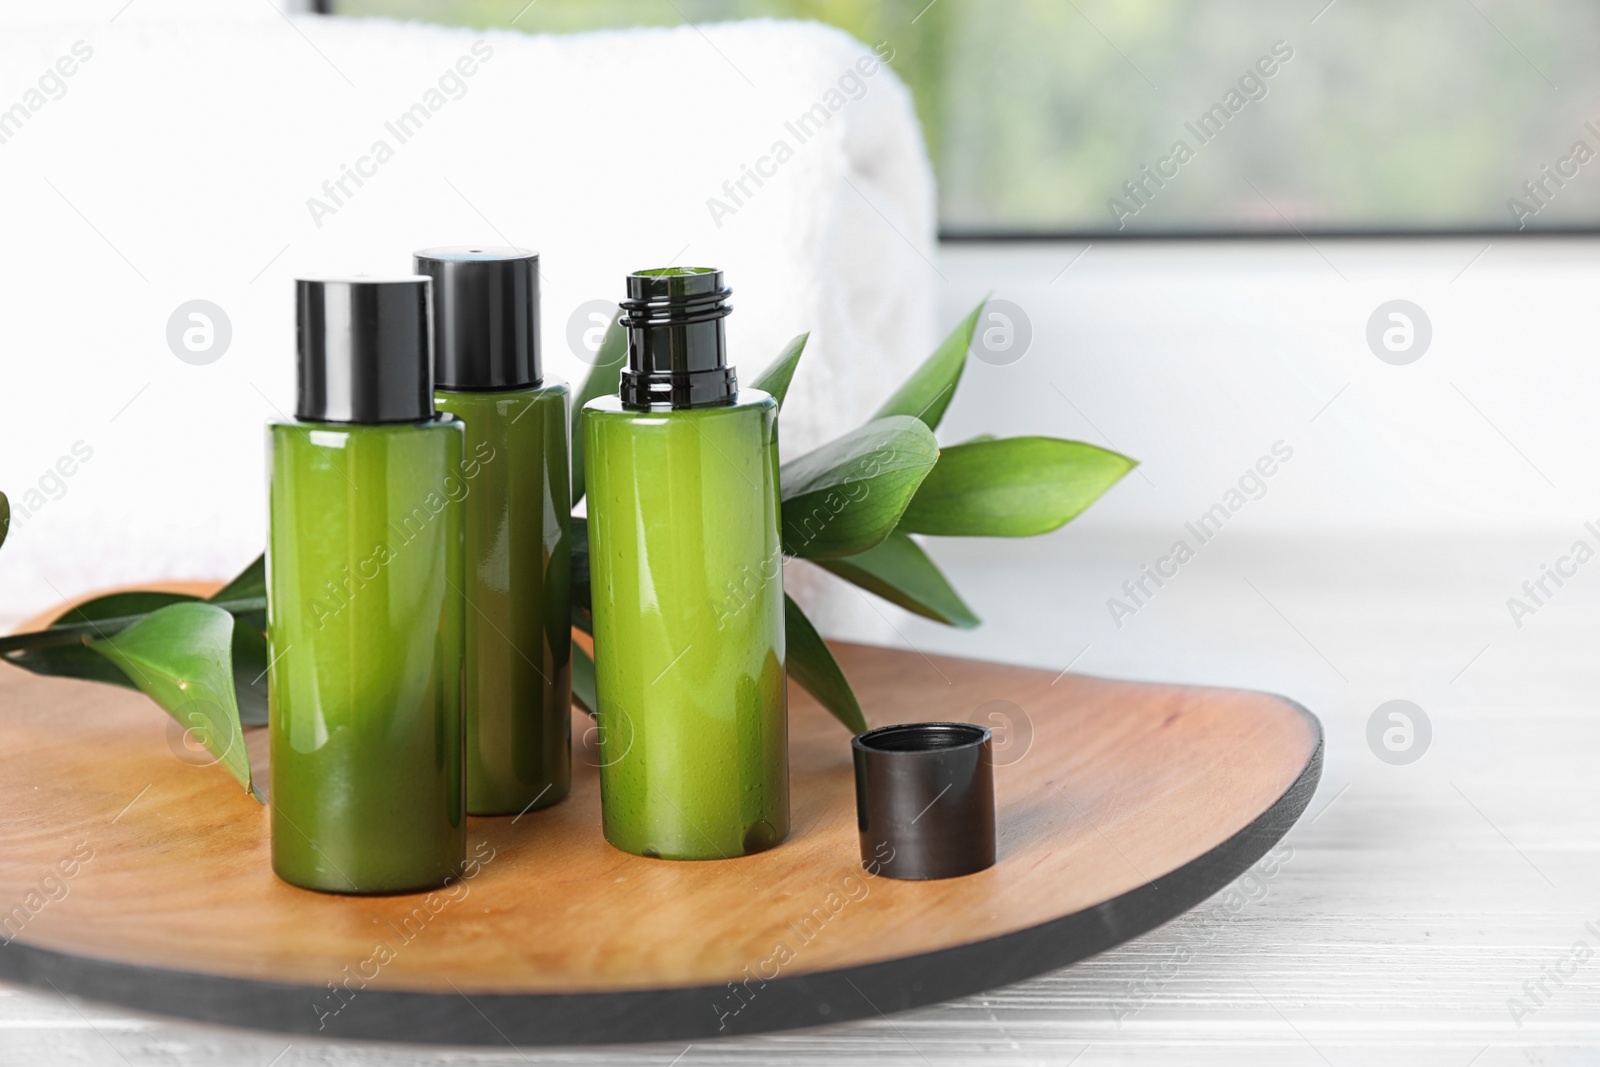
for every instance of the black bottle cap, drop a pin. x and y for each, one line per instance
(365, 348)
(925, 799)
(677, 354)
(485, 317)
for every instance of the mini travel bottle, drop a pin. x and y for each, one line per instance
(518, 665)
(687, 584)
(364, 607)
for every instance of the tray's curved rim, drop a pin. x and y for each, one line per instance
(689, 1013)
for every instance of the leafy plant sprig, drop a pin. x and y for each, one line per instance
(855, 507)
(203, 660)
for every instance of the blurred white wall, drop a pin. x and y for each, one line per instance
(1419, 497)
(1196, 356)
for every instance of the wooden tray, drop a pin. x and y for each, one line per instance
(1130, 804)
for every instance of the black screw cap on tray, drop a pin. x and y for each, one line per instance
(925, 799)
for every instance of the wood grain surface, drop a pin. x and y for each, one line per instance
(169, 869)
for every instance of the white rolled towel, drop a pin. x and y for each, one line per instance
(207, 157)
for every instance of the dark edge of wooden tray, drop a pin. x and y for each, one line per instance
(684, 1013)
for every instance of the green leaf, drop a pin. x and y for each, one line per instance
(604, 379)
(249, 585)
(583, 689)
(776, 378)
(901, 572)
(181, 656)
(250, 661)
(1015, 487)
(75, 660)
(927, 393)
(5, 514)
(251, 656)
(848, 495)
(119, 611)
(812, 665)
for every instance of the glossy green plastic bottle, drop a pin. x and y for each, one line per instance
(687, 585)
(364, 565)
(518, 665)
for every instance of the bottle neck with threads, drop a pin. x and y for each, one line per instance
(677, 354)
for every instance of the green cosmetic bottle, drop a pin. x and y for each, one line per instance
(687, 585)
(364, 608)
(518, 666)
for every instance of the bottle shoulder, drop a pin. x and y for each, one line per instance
(747, 400)
(550, 387)
(443, 423)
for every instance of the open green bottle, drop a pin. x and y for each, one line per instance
(517, 670)
(364, 607)
(687, 585)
